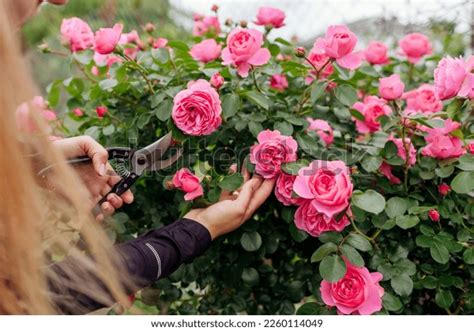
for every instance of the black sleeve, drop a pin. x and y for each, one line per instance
(154, 255)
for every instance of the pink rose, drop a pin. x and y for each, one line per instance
(441, 144)
(372, 108)
(444, 189)
(78, 112)
(318, 58)
(433, 214)
(327, 184)
(339, 44)
(25, 120)
(273, 149)
(101, 111)
(205, 25)
(217, 80)
(401, 151)
(197, 110)
(323, 129)
(386, 170)
(129, 38)
(271, 17)
(244, 49)
(278, 82)
(414, 46)
(310, 220)
(284, 190)
(106, 60)
(470, 148)
(467, 88)
(206, 51)
(391, 87)
(77, 34)
(422, 100)
(376, 53)
(449, 76)
(189, 183)
(160, 43)
(106, 39)
(357, 292)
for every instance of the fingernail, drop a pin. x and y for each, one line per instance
(102, 170)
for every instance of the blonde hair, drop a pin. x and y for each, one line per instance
(38, 224)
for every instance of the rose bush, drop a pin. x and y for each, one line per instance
(372, 151)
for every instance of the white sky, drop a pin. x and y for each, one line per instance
(307, 18)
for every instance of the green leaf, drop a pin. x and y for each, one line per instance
(177, 44)
(292, 168)
(251, 241)
(463, 182)
(407, 221)
(370, 201)
(439, 252)
(468, 255)
(255, 128)
(391, 302)
(157, 99)
(402, 284)
(346, 95)
(323, 251)
(309, 308)
(308, 144)
(285, 128)
(444, 298)
(352, 255)
(357, 114)
(371, 163)
(429, 282)
(283, 42)
(230, 105)
(108, 130)
(54, 93)
(258, 99)
(232, 182)
(163, 111)
(107, 84)
(297, 234)
(424, 241)
(396, 206)
(330, 236)
(250, 276)
(332, 268)
(317, 90)
(160, 54)
(390, 150)
(359, 242)
(444, 171)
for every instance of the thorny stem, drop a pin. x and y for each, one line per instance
(255, 80)
(141, 70)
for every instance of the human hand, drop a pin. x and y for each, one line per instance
(98, 176)
(233, 208)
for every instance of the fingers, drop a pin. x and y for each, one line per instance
(226, 195)
(96, 152)
(259, 196)
(126, 197)
(246, 194)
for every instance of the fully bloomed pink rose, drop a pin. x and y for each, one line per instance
(376, 53)
(271, 17)
(467, 88)
(357, 292)
(206, 24)
(323, 129)
(310, 220)
(189, 183)
(449, 76)
(284, 190)
(414, 46)
(244, 49)
(278, 82)
(107, 38)
(273, 150)
(197, 110)
(339, 44)
(372, 108)
(160, 43)
(77, 34)
(327, 184)
(422, 100)
(206, 51)
(441, 143)
(391, 87)
(217, 80)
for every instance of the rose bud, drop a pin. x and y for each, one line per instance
(444, 189)
(228, 22)
(215, 8)
(78, 112)
(217, 80)
(101, 111)
(149, 27)
(433, 214)
(243, 23)
(470, 148)
(300, 52)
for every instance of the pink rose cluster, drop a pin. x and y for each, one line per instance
(197, 109)
(189, 183)
(454, 77)
(358, 292)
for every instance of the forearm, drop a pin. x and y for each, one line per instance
(151, 256)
